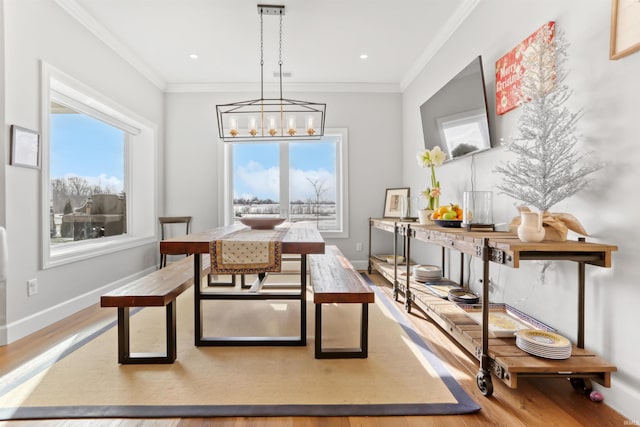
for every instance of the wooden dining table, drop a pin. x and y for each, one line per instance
(299, 238)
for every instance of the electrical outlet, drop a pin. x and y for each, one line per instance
(359, 246)
(32, 287)
(492, 284)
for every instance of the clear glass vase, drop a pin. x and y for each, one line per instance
(408, 208)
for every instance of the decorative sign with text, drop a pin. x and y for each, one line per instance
(509, 70)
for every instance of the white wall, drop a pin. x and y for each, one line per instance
(384, 134)
(4, 155)
(608, 92)
(373, 121)
(41, 31)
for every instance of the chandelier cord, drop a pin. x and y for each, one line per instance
(280, 55)
(261, 56)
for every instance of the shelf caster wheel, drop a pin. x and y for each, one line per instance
(407, 306)
(395, 295)
(485, 385)
(581, 385)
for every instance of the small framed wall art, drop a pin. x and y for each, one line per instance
(392, 201)
(625, 28)
(25, 147)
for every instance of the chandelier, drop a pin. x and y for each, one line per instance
(270, 118)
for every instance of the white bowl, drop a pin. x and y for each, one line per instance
(399, 259)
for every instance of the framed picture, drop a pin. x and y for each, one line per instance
(392, 201)
(625, 28)
(25, 147)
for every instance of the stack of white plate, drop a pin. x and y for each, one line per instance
(426, 273)
(544, 344)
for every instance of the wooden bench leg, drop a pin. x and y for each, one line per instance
(125, 356)
(339, 353)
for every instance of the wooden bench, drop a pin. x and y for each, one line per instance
(157, 289)
(335, 281)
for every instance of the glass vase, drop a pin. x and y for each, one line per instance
(408, 208)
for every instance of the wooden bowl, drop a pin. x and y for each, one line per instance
(262, 223)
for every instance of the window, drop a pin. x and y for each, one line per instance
(303, 181)
(86, 176)
(98, 173)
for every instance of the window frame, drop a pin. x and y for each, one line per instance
(342, 185)
(140, 158)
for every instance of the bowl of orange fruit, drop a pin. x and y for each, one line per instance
(448, 216)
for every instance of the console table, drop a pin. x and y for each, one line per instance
(497, 356)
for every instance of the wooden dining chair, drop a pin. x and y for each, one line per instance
(168, 220)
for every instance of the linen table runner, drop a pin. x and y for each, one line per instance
(248, 252)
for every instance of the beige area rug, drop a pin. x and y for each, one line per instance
(401, 376)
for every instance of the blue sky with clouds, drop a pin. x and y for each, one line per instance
(99, 160)
(257, 170)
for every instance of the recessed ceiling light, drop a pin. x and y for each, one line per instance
(364, 56)
(193, 56)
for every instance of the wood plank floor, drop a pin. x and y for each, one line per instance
(536, 402)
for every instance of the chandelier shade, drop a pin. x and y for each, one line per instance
(270, 118)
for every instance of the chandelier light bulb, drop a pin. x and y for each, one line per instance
(310, 130)
(292, 126)
(252, 126)
(233, 126)
(272, 126)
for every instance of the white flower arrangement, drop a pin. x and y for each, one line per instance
(431, 159)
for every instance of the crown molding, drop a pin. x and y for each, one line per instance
(287, 88)
(83, 17)
(448, 29)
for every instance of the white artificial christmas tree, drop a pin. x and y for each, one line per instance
(547, 167)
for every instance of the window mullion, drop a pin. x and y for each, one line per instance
(284, 179)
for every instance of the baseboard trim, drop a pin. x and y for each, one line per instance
(625, 397)
(360, 264)
(33, 323)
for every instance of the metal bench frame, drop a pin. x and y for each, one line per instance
(125, 356)
(343, 353)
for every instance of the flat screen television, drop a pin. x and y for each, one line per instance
(457, 117)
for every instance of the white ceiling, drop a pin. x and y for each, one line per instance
(322, 39)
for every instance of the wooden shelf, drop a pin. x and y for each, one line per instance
(505, 360)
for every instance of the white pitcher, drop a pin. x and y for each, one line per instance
(424, 216)
(531, 229)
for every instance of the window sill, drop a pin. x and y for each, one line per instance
(80, 251)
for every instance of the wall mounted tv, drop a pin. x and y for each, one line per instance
(457, 117)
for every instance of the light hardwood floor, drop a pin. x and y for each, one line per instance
(536, 402)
